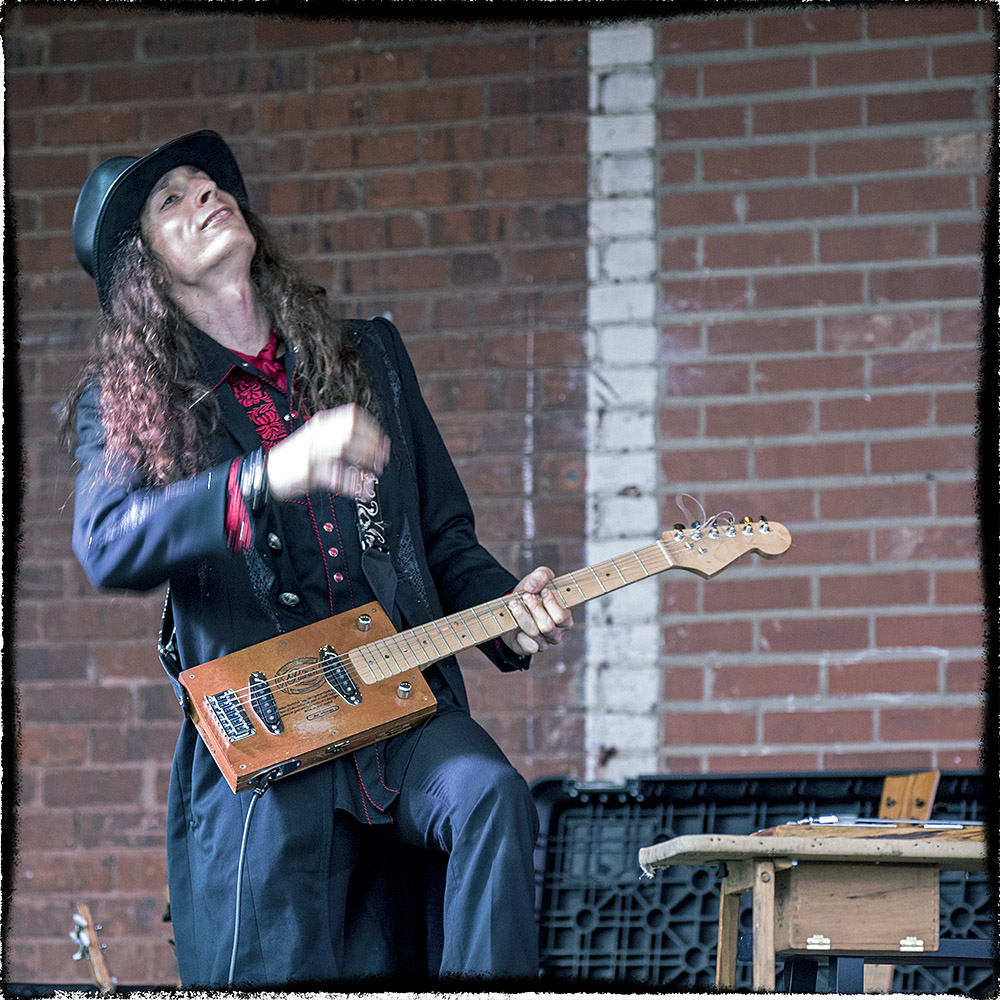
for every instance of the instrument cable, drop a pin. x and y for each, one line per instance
(257, 793)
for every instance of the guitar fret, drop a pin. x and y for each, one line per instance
(659, 549)
(604, 589)
(485, 630)
(386, 663)
(455, 642)
(368, 674)
(508, 624)
(641, 564)
(428, 632)
(410, 659)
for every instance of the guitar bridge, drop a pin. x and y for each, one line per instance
(337, 676)
(230, 716)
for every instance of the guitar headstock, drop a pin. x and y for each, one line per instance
(707, 548)
(89, 947)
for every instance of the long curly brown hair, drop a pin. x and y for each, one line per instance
(157, 414)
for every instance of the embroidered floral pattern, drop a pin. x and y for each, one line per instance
(260, 408)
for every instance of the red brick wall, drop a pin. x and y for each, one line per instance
(434, 172)
(822, 191)
(439, 172)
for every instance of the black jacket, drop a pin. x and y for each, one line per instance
(129, 535)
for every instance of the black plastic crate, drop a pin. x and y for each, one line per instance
(601, 921)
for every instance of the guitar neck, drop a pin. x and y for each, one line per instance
(426, 644)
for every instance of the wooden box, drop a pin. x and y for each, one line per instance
(846, 908)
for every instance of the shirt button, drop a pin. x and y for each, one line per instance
(328, 526)
(339, 577)
(274, 542)
(289, 600)
(333, 552)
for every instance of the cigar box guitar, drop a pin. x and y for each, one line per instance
(340, 684)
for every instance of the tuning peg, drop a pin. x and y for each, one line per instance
(747, 526)
(678, 527)
(79, 921)
(764, 526)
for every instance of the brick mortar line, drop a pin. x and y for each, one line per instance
(817, 225)
(922, 85)
(870, 435)
(819, 614)
(756, 52)
(737, 184)
(817, 702)
(823, 267)
(900, 130)
(807, 394)
(825, 660)
(765, 748)
(832, 311)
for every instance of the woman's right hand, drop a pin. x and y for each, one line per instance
(340, 450)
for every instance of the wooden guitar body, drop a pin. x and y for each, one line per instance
(318, 723)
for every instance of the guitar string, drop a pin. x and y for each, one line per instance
(390, 661)
(389, 665)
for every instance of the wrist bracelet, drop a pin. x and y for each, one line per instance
(253, 480)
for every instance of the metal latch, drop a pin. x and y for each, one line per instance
(911, 943)
(818, 942)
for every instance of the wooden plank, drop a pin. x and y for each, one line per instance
(729, 926)
(972, 832)
(711, 848)
(856, 907)
(909, 796)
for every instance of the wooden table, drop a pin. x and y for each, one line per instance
(755, 862)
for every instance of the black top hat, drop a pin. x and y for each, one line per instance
(113, 196)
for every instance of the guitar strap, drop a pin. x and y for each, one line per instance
(166, 647)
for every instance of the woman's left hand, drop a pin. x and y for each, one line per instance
(540, 615)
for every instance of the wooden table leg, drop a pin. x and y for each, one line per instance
(763, 926)
(729, 925)
(739, 878)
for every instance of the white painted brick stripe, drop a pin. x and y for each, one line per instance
(621, 671)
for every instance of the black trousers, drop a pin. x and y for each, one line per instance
(451, 879)
(461, 796)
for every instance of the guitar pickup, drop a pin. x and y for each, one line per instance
(337, 676)
(263, 703)
(230, 716)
